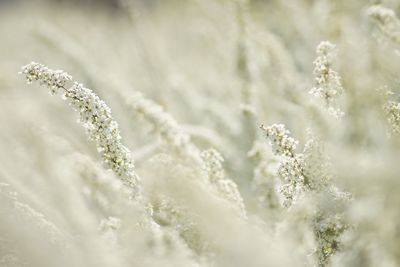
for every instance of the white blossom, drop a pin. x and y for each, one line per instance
(53, 79)
(170, 131)
(291, 166)
(328, 82)
(278, 136)
(96, 118)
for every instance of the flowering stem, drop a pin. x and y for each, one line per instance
(96, 118)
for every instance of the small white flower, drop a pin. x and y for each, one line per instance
(278, 136)
(328, 83)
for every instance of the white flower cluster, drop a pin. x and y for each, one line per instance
(278, 136)
(309, 172)
(95, 116)
(53, 79)
(328, 83)
(387, 21)
(291, 168)
(291, 171)
(210, 160)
